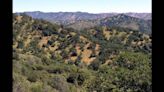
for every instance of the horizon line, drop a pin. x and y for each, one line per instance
(76, 12)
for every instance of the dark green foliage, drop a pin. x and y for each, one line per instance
(20, 44)
(95, 65)
(59, 83)
(77, 78)
(50, 42)
(138, 69)
(133, 73)
(32, 76)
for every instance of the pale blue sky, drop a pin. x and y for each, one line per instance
(91, 6)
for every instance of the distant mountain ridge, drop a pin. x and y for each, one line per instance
(82, 20)
(145, 16)
(65, 17)
(125, 21)
(120, 20)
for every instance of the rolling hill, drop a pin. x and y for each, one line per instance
(48, 57)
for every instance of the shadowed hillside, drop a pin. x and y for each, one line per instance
(120, 20)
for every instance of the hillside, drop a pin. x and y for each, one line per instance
(127, 22)
(54, 58)
(120, 20)
(145, 16)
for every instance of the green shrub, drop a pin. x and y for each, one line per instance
(59, 83)
(36, 87)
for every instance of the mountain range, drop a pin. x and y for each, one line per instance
(82, 20)
(82, 15)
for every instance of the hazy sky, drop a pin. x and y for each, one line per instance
(91, 6)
